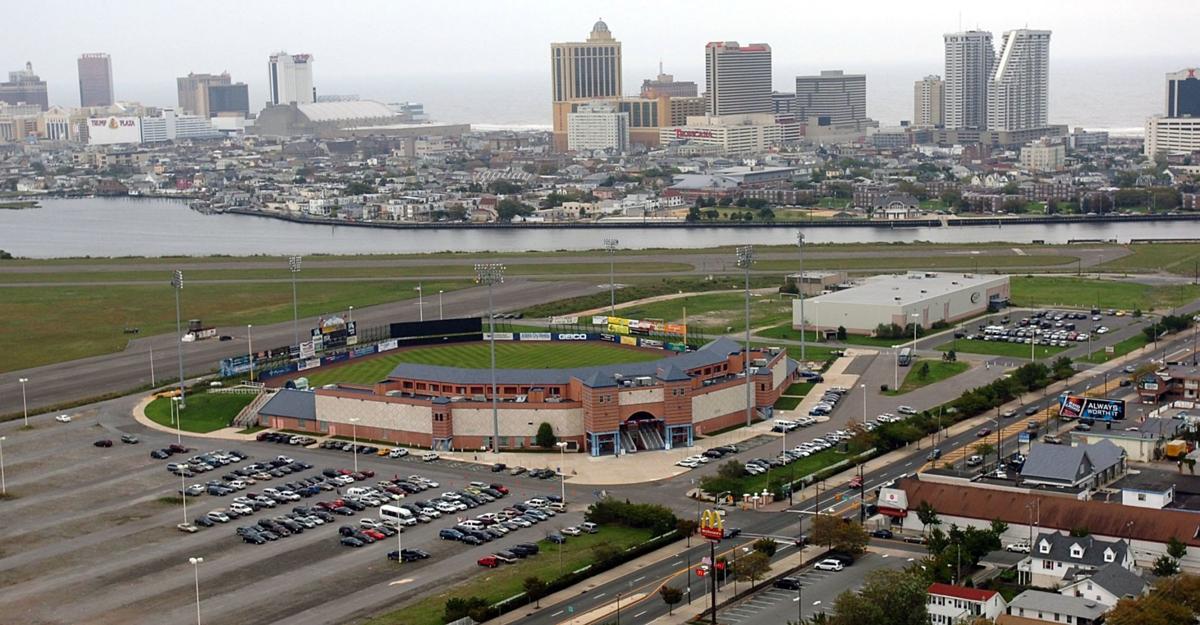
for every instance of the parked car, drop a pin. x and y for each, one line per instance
(104, 442)
(63, 418)
(883, 533)
(129, 439)
(829, 564)
(1017, 547)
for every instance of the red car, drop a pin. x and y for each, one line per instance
(501, 488)
(490, 562)
(983, 432)
(376, 534)
(345, 471)
(178, 449)
(368, 472)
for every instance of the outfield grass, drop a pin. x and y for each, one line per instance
(67, 322)
(495, 585)
(1046, 291)
(509, 355)
(1180, 258)
(205, 412)
(999, 348)
(1120, 349)
(938, 370)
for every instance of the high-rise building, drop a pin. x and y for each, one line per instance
(683, 108)
(95, 79)
(193, 91)
(25, 87)
(783, 103)
(290, 79)
(227, 100)
(583, 71)
(598, 126)
(1183, 93)
(666, 85)
(737, 78)
(833, 96)
(928, 98)
(969, 61)
(1019, 94)
(1178, 131)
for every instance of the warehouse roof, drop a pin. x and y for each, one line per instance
(291, 403)
(338, 111)
(910, 288)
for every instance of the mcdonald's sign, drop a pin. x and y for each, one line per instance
(712, 525)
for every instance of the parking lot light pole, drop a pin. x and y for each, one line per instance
(895, 368)
(250, 350)
(196, 568)
(177, 282)
(562, 470)
(745, 258)
(175, 404)
(803, 324)
(610, 245)
(490, 274)
(350, 314)
(24, 405)
(864, 390)
(354, 437)
(420, 303)
(183, 493)
(440, 317)
(294, 267)
(3, 481)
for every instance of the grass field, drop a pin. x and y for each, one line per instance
(799, 388)
(1179, 258)
(641, 288)
(997, 348)
(1120, 349)
(205, 412)
(509, 355)
(1045, 291)
(938, 370)
(69, 322)
(963, 262)
(716, 312)
(495, 585)
(787, 402)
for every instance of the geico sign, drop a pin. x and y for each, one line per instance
(572, 337)
(680, 133)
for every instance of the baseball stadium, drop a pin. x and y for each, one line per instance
(644, 394)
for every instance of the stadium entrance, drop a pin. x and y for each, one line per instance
(642, 432)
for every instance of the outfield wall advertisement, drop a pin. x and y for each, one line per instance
(621, 325)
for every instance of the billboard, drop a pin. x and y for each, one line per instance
(1076, 407)
(334, 331)
(114, 130)
(534, 336)
(621, 325)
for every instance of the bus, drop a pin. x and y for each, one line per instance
(905, 357)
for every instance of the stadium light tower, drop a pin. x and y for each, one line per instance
(610, 245)
(800, 243)
(294, 267)
(745, 258)
(177, 283)
(490, 274)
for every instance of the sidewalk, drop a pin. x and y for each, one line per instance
(139, 415)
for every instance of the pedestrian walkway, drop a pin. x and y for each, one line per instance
(139, 415)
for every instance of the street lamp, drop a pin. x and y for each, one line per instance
(294, 267)
(895, 368)
(183, 494)
(354, 437)
(562, 472)
(196, 567)
(803, 342)
(177, 282)
(176, 404)
(420, 303)
(3, 481)
(745, 258)
(350, 314)
(610, 245)
(864, 393)
(24, 404)
(440, 317)
(490, 274)
(250, 350)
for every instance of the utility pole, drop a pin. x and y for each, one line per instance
(490, 274)
(177, 282)
(803, 325)
(745, 258)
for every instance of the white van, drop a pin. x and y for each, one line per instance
(395, 515)
(357, 492)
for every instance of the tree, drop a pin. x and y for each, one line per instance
(950, 356)
(888, 597)
(687, 527)
(1149, 610)
(927, 515)
(508, 208)
(841, 333)
(753, 567)
(1165, 565)
(923, 371)
(693, 214)
(766, 546)
(984, 449)
(358, 188)
(670, 596)
(840, 535)
(1176, 548)
(731, 470)
(504, 187)
(545, 436)
(535, 589)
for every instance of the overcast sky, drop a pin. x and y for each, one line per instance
(355, 42)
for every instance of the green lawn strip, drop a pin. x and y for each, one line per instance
(1177, 257)
(796, 470)
(938, 370)
(785, 331)
(51, 274)
(716, 311)
(1047, 291)
(642, 288)
(496, 585)
(788, 402)
(205, 412)
(999, 348)
(923, 261)
(68, 322)
(799, 389)
(1120, 349)
(509, 355)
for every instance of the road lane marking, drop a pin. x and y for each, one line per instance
(406, 580)
(557, 613)
(677, 563)
(640, 613)
(600, 595)
(639, 579)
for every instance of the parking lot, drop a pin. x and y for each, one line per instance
(103, 522)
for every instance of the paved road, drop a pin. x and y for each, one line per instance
(98, 375)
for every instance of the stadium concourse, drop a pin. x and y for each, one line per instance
(602, 410)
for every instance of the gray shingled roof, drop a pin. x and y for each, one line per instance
(291, 403)
(713, 353)
(1119, 580)
(1052, 602)
(1093, 549)
(1066, 464)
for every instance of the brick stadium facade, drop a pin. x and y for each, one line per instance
(600, 410)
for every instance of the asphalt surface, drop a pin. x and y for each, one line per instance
(98, 375)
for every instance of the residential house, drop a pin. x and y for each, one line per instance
(951, 605)
(1080, 467)
(1058, 559)
(1108, 585)
(1036, 607)
(895, 206)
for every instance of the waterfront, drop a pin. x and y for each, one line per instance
(147, 227)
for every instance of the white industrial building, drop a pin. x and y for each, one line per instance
(598, 126)
(924, 297)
